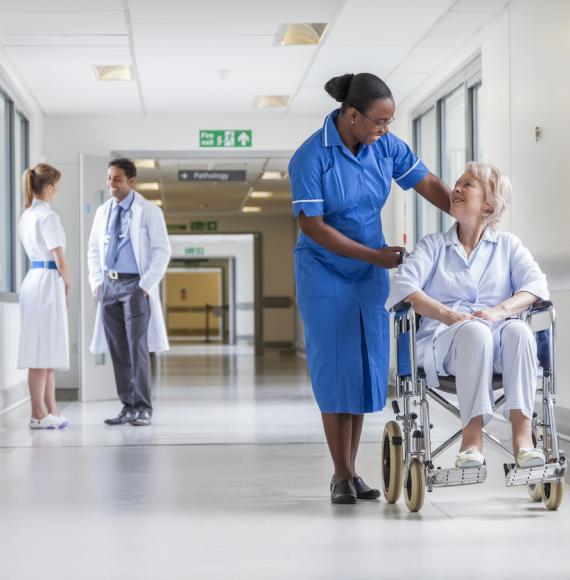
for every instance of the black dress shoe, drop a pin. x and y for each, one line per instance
(125, 416)
(343, 491)
(143, 418)
(363, 491)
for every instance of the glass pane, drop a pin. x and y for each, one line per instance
(476, 100)
(21, 157)
(5, 206)
(454, 141)
(427, 221)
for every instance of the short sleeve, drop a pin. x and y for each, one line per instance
(526, 275)
(52, 231)
(416, 271)
(408, 170)
(306, 183)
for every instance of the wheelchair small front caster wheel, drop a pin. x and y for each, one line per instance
(535, 492)
(552, 494)
(415, 485)
(392, 461)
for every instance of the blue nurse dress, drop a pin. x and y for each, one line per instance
(341, 299)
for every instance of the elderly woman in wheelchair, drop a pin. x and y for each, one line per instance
(468, 284)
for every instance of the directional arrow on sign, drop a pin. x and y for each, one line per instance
(243, 139)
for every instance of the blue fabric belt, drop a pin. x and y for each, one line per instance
(46, 265)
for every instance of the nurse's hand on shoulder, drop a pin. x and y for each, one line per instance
(390, 257)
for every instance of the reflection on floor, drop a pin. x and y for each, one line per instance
(231, 481)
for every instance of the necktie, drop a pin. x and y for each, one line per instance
(115, 232)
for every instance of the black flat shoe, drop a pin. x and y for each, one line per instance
(143, 418)
(126, 415)
(364, 491)
(343, 491)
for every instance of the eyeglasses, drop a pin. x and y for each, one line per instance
(383, 124)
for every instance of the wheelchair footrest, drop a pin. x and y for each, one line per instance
(533, 475)
(456, 476)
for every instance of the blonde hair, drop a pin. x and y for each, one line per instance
(36, 179)
(497, 187)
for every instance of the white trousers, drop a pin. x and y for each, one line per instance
(477, 350)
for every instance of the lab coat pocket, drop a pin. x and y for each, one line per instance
(313, 278)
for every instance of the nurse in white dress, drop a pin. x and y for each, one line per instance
(467, 284)
(44, 339)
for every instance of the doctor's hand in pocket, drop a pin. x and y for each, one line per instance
(390, 257)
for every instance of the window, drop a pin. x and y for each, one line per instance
(6, 213)
(14, 158)
(446, 136)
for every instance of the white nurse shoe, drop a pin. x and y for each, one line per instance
(47, 422)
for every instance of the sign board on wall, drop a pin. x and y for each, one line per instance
(226, 138)
(218, 175)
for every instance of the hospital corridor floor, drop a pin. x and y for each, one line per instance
(231, 481)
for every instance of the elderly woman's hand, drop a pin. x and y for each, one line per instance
(451, 317)
(495, 314)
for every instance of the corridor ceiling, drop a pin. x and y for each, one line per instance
(219, 55)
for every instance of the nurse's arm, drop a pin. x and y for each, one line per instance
(62, 267)
(432, 188)
(334, 241)
(426, 306)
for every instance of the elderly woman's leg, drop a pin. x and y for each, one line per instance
(519, 368)
(470, 360)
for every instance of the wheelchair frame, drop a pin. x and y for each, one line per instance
(416, 458)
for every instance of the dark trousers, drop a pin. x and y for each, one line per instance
(126, 316)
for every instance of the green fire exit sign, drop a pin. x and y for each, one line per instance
(226, 138)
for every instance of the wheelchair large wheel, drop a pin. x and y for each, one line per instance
(415, 485)
(535, 492)
(552, 494)
(392, 461)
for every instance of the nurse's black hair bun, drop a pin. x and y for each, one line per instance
(359, 90)
(338, 87)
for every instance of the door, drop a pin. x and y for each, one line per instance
(96, 371)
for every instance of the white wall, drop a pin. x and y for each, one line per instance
(524, 53)
(12, 380)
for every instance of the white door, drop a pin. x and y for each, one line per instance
(96, 371)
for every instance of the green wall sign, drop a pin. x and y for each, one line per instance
(195, 251)
(226, 138)
(209, 226)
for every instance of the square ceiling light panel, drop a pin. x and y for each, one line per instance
(114, 72)
(300, 33)
(271, 101)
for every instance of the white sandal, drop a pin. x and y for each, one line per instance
(469, 458)
(530, 457)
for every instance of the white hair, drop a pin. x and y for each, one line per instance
(497, 187)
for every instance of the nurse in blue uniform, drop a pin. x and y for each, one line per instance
(341, 177)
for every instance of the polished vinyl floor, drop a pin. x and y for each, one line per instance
(231, 482)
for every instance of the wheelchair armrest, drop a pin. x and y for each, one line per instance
(540, 306)
(401, 306)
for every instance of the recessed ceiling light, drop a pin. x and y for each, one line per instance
(150, 186)
(261, 194)
(251, 209)
(114, 72)
(158, 202)
(273, 175)
(272, 101)
(296, 33)
(145, 163)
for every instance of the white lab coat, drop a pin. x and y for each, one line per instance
(152, 251)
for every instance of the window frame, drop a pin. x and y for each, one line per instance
(469, 78)
(16, 267)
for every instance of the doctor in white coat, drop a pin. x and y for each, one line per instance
(128, 254)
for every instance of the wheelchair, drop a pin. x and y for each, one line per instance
(407, 454)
